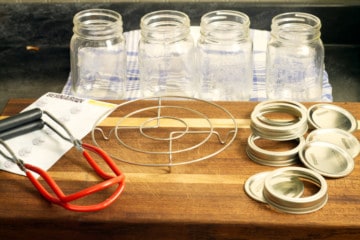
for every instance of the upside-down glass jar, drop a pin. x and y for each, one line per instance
(98, 55)
(166, 55)
(295, 58)
(225, 56)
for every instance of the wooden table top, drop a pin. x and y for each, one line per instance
(203, 200)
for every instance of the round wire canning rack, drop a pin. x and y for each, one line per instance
(165, 131)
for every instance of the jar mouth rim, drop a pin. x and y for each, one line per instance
(89, 16)
(168, 18)
(223, 15)
(296, 18)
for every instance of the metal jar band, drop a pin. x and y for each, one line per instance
(279, 129)
(298, 205)
(272, 158)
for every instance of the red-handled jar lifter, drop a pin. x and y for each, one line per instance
(32, 120)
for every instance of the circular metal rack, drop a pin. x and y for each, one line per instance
(165, 131)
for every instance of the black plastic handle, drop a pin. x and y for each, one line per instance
(20, 130)
(20, 119)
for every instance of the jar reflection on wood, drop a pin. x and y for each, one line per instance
(295, 58)
(166, 55)
(225, 62)
(98, 55)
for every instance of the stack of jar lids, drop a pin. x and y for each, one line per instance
(330, 149)
(327, 151)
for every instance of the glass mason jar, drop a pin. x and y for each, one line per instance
(225, 56)
(166, 55)
(98, 55)
(295, 58)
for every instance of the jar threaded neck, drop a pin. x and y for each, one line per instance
(296, 27)
(97, 24)
(225, 25)
(165, 26)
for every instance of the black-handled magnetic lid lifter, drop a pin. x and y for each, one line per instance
(21, 123)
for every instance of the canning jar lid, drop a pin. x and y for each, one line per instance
(285, 185)
(327, 159)
(331, 116)
(254, 186)
(295, 205)
(337, 136)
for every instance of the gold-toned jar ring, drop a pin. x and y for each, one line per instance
(279, 130)
(272, 158)
(299, 205)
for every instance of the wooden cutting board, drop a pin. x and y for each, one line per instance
(202, 200)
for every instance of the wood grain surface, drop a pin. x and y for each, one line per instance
(203, 200)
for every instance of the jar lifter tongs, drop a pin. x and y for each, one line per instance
(31, 120)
